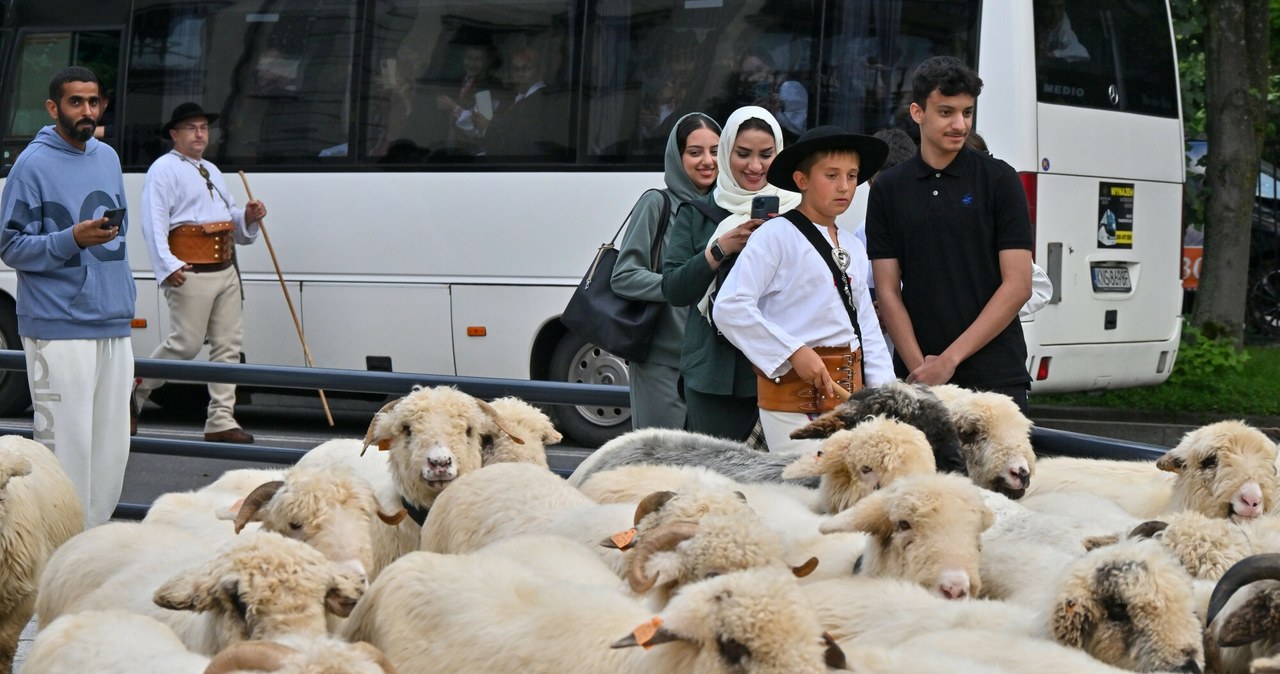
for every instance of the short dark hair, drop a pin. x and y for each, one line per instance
(71, 74)
(901, 147)
(948, 75)
(692, 122)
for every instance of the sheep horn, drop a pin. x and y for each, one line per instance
(652, 503)
(376, 655)
(661, 539)
(368, 434)
(497, 419)
(256, 499)
(251, 656)
(806, 568)
(1148, 529)
(393, 520)
(1243, 572)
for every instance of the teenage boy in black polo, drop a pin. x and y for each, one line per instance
(950, 229)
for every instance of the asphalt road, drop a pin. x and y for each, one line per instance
(289, 421)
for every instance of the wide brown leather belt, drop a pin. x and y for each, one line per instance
(789, 393)
(207, 247)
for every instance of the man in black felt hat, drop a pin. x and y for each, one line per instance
(191, 224)
(796, 303)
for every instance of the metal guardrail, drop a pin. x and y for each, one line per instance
(1045, 441)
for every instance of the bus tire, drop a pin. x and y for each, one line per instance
(15, 394)
(1264, 304)
(576, 361)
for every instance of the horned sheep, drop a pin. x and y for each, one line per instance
(1242, 633)
(119, 642)
(39, 510)
(1224, 469)
(252, 588)
(753, 622)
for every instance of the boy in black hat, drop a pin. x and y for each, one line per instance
(796, 302)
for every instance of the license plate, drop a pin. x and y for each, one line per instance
(1111, 279)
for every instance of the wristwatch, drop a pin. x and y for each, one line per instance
(717, 253)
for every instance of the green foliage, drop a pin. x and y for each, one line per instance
(1210, 377)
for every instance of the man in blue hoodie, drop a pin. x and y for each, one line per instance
(75, 290)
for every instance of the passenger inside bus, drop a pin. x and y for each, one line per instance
(666, 94)
(1054, 37)
(475, 98)
(759, 82)
(533, 124)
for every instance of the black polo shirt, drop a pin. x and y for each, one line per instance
(946, 228)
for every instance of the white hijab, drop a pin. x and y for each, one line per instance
(731, 196)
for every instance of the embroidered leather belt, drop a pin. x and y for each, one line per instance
(207, 247)
(789, 393)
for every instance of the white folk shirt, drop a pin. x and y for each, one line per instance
(780, 296)
(176, 194)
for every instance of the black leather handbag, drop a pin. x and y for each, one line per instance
(621, 326)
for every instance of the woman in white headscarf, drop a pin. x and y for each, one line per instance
(691, 168)
(708, 233)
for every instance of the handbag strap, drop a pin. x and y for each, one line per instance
(810, 232)
(633, 210)
(655, 251)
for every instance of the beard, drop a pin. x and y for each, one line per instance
(81, 130)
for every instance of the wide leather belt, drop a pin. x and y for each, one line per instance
(789, 393)
(207, 247)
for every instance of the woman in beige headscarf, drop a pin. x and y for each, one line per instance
(719, 385)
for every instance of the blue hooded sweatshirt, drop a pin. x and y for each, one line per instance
(64, 291)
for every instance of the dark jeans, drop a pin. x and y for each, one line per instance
(726, 417)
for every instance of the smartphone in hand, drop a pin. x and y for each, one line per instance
(764, 206)
(114, 217)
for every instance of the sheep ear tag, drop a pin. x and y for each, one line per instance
(646, 631)
(623, 540)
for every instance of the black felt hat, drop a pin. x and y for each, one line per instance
(871, 154)
(187, 111)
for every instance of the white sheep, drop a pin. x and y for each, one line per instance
(39, 510)
(426, 607)
(1224, 469)
(1242, 633)
(1001, 651)
(255, 587)
(1129, 606)
(526, 422)
(995, 437)
(924, 528)
(856, 462)
(436, 435)
(119, 642)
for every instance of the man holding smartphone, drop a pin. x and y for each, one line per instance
(191, 224)
(75, 290)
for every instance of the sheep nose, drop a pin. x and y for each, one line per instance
(954, 585)
(443, 462)
(1190, 667)
(953, 592)
(1019, 477)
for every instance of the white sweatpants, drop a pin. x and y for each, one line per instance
(777, 432)
(80, 396)
(207, 305)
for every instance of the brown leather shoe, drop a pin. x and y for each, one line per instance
(230, 435)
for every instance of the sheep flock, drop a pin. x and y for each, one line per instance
(923, 535)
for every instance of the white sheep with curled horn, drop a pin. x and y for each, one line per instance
(435, 435)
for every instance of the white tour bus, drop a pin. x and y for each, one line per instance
(411, 242)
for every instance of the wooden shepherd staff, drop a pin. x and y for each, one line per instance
(306, 353)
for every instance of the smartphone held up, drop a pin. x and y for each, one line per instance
(764, 206)
(114, 216)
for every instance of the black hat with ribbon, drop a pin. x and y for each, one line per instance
(871, 154)
(186, 111)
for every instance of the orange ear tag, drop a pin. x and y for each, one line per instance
(384, 445)
(622, 539)
(235, 507)
(646, 631)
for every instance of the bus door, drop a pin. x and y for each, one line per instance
(1110, 171)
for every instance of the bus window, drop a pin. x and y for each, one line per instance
(38, 57)
(874, 50)
(467, 80)
(1103, 54)
(652, 63)
(279, 77)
